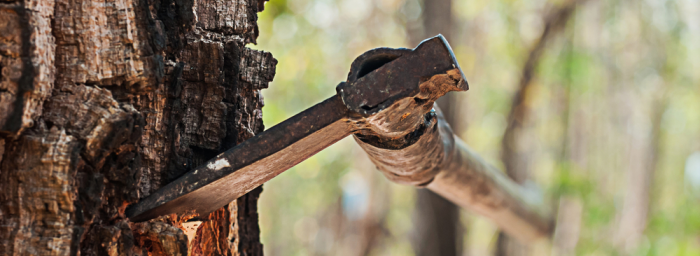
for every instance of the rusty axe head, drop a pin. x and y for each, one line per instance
(380, 77)
(391, 89)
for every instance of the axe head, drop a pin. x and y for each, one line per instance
(380, 77)
(387, 92)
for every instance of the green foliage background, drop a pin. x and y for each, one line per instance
(596, 93)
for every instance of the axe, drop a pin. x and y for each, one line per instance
(387, 104)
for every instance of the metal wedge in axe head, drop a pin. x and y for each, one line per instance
(387, 103)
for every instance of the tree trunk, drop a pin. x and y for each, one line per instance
(643, 156)
(102, 103)
(516, 154)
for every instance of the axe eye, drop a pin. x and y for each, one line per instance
(375, 62)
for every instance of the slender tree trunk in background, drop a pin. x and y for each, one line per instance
(516, 154)
(572, 151)
(643, 157)
(643, 122)
(566, 235)
(359, 225)
(102, 103)
(437, 228)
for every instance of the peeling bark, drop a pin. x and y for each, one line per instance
(102, 103)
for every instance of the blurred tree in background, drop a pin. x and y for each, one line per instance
(611, 135)
(435, 221)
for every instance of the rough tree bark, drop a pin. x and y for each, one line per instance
(102, 103)
(437, 228)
